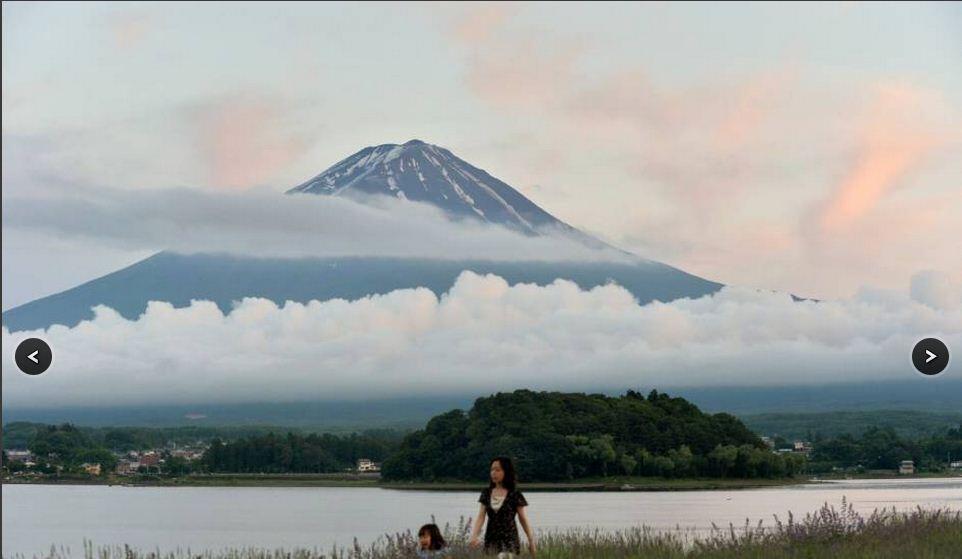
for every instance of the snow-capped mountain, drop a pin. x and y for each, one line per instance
(423, 172)
(415, 171)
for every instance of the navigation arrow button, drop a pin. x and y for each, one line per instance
(33, 356)
(930, 356)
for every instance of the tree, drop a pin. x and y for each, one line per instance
(722, 461)
(61, 443)
(102, 456)
(663, 466)
(683, 461)
(176, 466)
(557, 436)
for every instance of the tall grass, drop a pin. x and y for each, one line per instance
(828, 533)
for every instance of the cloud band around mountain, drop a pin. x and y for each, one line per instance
(483, 335)
(267, 224)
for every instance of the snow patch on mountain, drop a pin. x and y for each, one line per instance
(422, 172)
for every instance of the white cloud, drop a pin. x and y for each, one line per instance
(267, 223)
(936, 289)
(483, 335)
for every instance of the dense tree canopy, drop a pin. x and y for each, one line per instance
(883, 449)
(68, 446)
(295, 453)
(556, 436)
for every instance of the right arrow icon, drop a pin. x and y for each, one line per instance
(930, 356)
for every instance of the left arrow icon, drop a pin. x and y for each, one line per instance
(33, 356)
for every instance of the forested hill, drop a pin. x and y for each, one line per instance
(558, 436)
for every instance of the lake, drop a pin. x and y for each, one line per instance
(38, 516)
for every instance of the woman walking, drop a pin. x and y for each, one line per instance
(501, 502)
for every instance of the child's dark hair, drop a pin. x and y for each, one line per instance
(437, 540)
(510, 481)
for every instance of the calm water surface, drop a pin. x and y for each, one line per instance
(38, 516)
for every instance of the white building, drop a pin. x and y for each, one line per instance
(367, 465)
(803, 447)
(907, 467)
(19, 456)
(126, 467)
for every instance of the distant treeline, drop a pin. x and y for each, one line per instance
(884, 449)
(122, 439)
(67, 447)
(556, 436)
(908, 424)
(552, 436)
(64, 446)
(295, 453)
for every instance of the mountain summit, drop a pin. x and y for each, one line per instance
(414, 171)
(423, 172)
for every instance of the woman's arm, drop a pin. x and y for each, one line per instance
(478, 523)
(526, 526)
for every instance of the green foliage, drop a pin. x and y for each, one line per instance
(63, 444)
(556, 436)
(883, 449)
(19, 433)
(295, 453)
(176, 466)
(123, 439)
(813, 426)
(101, 456)
(66, 445)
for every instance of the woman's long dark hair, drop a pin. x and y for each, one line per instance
(437, 540)
(510, 481)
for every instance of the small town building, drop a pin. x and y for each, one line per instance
(19, 456)
(907, 467)
(150, 458)
(91, 469)
(367, 465)
(188, 454)
(126, 467)
(802, 447)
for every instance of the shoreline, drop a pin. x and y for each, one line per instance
(313, 480)
(613, 484)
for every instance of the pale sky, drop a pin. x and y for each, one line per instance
(810, 148)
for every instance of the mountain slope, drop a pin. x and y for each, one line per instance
(427, 173)
(223, 279)
(415, 171)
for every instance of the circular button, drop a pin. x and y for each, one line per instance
(930, 356)
(33, 356)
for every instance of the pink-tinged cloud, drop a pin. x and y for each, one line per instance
(893, 144)
(524, 77)
(479, 21)
(246, 141)
(130, 29)
(506, 69)
(752, 102)
(727, 177)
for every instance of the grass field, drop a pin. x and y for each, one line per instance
(830, 533)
